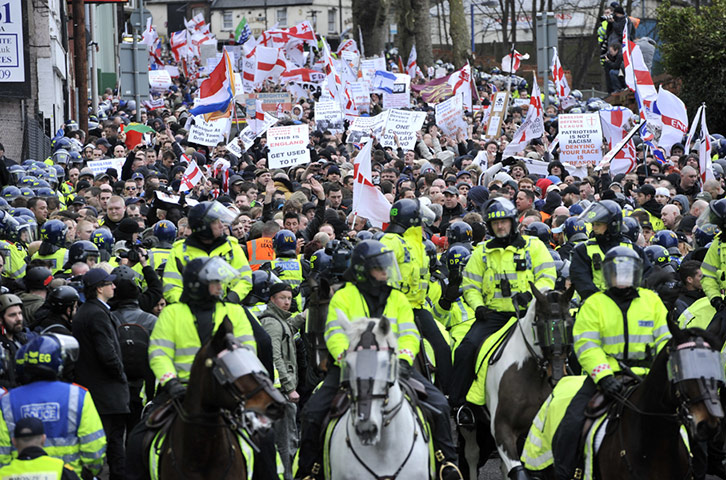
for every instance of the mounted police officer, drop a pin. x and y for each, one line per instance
(495, 282)
(370, 292)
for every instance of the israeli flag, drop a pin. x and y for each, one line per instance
(383, 81)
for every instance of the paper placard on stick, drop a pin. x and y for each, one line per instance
(288, 146)
(401, 96)
(363, 128)
(580, 138)
(173, 70)
(405, 124)
(361, 96)
(450, 116)
(368, 67)
(328, 116)
(159, 80)
(100, 166)
(208, 133)
(498, 111)
(248, 136)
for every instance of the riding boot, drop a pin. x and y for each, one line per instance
(519, 473)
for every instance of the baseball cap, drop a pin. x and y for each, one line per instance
(451, 191)
(86, 171)
(96, 276)
(463, 172)
(647, 189)
(28, 427)
(136, 176)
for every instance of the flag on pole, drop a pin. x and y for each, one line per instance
(242, 32)
(461, 82)
(411, 65)
(558, 75)
(673, 119)
(692, 131)
(532, 127)
(192, 175)
(704, 152)
(348, 46)
(383, 81)
(511, 64)
(216, 92)
(368, 201)
(614, 121)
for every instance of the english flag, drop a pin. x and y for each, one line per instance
(368, 201)
(637, 76)
(348, 46)
(614, 122)
(258, 122)
(558, 76)
(280, 37)
(216, 92)
(511, 64)
(335, 84)
(673, 119)
(149, 36)
(533, 125)
(178, 43)
(704, 152)
(461, 82)
(300, 75)
(411, 65)
(192, 175)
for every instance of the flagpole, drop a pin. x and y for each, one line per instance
(511, 67)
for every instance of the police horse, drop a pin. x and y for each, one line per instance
(523, 366)
(381, 435)
(230, 398)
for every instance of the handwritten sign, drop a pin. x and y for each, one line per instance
(288, 146)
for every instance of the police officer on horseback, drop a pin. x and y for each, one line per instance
(495, 282)
(370, 292)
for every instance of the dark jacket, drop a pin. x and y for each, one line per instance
(54, 323)
(8, 380)
(99, 367)
(128, 311)
(448, 214)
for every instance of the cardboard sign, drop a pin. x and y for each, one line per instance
(159, 80)
(208, 133)
(368, 67)
(173, 70)
(276, 103)
(328, 116)
(450, 116)
(363, 128)
(404, 124)
(361, 96)
(288, 146)
(401, 96)
(100, 166)
(580, 138)
(498, 111)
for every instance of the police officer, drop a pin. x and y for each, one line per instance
(714, 263)
(81, 251)
(606, 218)
(495, 282)
(287, 266)
(103, 239)
(256, 300)
(56, 314)
(10, 229)
(208, 222)
(72, 424)
(460, 233)
(52, 246)
(451, 310)
(604, 337)
(575, 232)
(370, 292)
(165, 232)
(33, 462)
(404, 236)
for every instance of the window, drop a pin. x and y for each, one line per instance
(282, 17)
(227, 21)
(331, 20)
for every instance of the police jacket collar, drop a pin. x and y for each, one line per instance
(32, 452)
(194, 241)
(517, 242)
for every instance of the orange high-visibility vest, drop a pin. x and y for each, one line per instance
(259, 252)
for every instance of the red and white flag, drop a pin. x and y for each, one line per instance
(461, 82)
(258, 122)
(615, 121)
(348, 46)
(178, 43)
(300, 75)
(704, 152)
(192, 175)
(673, 119)
(411, 67)
(532, 127)
(558, 76)
(368, 201)
(637, 76)
(335, 84)
(280, 37)
(510, 64)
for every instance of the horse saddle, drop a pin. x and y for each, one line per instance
(157, 424)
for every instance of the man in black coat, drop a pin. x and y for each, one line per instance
(99, 367)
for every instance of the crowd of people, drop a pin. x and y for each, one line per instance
(101, 267)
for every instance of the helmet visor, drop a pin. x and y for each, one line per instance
(217, 270)
(218, 212)
(68, 346)
(383, 268)
(595, 213)
(622, 272)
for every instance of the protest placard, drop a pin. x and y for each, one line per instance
(580, 138)
(159, 80)
(368, 67)
(173, 70)
(404, 124)
(450, 116)
(498, 110)
(248, 136)
(100, 166)
(208, 133)
(328, 116)
(401, 96)
(361, 96)
(276, 103)
(288, 146)
(363, 128)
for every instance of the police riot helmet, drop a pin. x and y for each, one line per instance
(432, 253)
(199, 274)
(363, 235)
(103, 239)
(459, 232)
(631, 229)
(82, 251)
(456, 258)
(53, 232)
(716, 213)
(61, 156)
(500, 209)
(320, 262)
(165, 231)
(373, 266)
(262, 281)
(285, 243)
(61, 298)
(47, 356)
(405, 213)
(539, 230)
(622, 268)
(657, 255)
(575, 230)
(607, 212)
(667, 239)
(38, 278)
(204, 214)
(704, 234)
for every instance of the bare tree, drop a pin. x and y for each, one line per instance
(414, 27)
(459, 32)
(370, 16)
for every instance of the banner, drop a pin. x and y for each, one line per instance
(328, 116)
(159, 80)
(580, 138)
(12, 52)
(208, 133)
(100, 166)
(276, 103)
(450, 116)
(401, 96)
(404, 124)
(288, 146)
(248, 136)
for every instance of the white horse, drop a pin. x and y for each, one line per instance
(518, 380)
(380, 435)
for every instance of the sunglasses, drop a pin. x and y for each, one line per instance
(130, 188)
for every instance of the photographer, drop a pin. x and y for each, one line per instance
(135, 256)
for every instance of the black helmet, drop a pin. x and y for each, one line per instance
(128, 283)
(658, 255)
(38, 278)
(61, 298)
(262, 280)
(81, 251)
(704, 234)
(605, 211)
(405, 213)
(631, 229)
(340, 252)
(371, 255)
(285, 243)
(622, 268)
(717, 213)
(500, 209)
(363, 235)
(459, 232)
(204, 214)
(456, 258)
(667, 239)
(321, 262)
(199, 274)
(539, 230)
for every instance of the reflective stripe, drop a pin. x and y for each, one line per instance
(98, 434)
(6, 450)
(542, 266)
(169, 287)
(544, 275)
(586, 346)
(468, 286)
(172, 275)
(410, 334)
(534, 440)
(502, 276)
(498, 294)
(245, 268)
(407, 326)
(246, 338)
(61, 441)
(472, 276)
(631, 355)
(186, 351)
(616, 339)
(94, 455)
(8, 414)
(538, 461)
(157, 353)
(71, 457)
(663, 329)
(590, 335)
(162, 343)
(538, 423)
(74, 405)
(708, 267)
(462, 309)
(186, 367)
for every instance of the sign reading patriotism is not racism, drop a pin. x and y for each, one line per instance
(580, 138)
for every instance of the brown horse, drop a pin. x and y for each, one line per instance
(226, 379)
